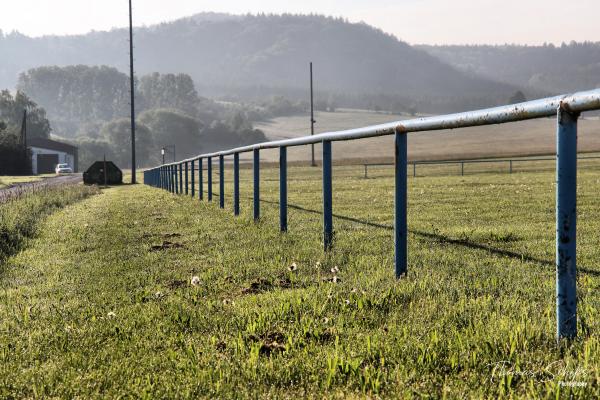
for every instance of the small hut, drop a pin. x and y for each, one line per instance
(103, 172)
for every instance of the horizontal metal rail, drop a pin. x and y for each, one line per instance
(566, 108)
(510, 162)
(576, 103)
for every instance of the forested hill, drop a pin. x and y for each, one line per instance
(548, 68)
(262, 54)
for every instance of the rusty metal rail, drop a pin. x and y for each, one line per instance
(566, 107)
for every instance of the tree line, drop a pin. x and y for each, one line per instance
(89, 106)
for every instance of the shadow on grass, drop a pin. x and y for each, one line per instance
(446, 240)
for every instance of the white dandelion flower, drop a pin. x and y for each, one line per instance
(195, 281)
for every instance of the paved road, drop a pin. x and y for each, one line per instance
(20, 189)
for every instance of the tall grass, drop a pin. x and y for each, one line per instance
(19, 218)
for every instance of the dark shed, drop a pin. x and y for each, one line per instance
(95, 174)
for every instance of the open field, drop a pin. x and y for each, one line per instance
(515, 139)
(100, 303)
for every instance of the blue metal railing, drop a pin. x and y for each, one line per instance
(566, 107)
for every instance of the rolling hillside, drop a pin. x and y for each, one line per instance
(545, 69)
(258, 55)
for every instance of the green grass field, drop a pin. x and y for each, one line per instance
(100, 303)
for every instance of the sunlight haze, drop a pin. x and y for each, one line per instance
(414, 21)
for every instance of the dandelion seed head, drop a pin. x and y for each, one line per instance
(195, 281)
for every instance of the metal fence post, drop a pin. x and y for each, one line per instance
(200, 180)
(209, 177)
(283, 189)
(510, 166)
(175, 184)
(327, 197)
(566, 217)
(175, 169)
(256, 184)
(400, 223)
(186, 178)
(221, 181)
(414, 170)
(236, 184)
(180, 178)
(462, 169)
(174, 179)
(169, 178)
(365, 171)
(193, 172)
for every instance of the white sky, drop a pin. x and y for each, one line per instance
(415, 21)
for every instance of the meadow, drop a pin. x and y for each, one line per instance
(103, 303)
(524, 138)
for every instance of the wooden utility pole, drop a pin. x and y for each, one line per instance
(132, 89)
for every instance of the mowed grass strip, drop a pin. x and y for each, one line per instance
(101, 304)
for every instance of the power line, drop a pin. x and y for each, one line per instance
(132, 89)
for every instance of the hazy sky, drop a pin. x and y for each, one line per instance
(415, 21)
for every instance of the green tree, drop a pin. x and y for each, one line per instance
(171, 127)
(11, 111)
(118, 134)
(172, 91)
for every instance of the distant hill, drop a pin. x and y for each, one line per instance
(258, 55)
(548, 68)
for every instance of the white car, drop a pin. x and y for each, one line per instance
(63, 169)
